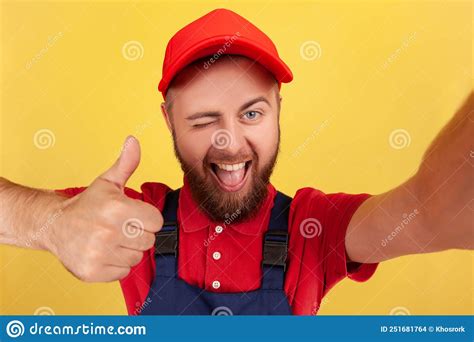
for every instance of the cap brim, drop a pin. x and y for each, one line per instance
(215, 46)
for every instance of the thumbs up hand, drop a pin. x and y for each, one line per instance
(102, 233)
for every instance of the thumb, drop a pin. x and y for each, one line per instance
(126, 164)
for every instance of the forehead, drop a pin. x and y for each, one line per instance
(227, 82)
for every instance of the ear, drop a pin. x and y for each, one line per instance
(279, 99)
(166, 116)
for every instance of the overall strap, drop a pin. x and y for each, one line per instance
(166, 243)
(275, 244)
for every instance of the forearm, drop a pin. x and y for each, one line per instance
(27, 214)
(444, 182)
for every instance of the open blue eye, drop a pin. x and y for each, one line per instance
(251, 114)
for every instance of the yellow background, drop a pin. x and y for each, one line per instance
(382, 66)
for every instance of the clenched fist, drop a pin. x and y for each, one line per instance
(102, 233)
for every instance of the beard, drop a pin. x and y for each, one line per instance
(220, 205)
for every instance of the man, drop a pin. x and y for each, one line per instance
(227, 242)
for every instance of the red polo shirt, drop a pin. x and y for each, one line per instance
(317, 259)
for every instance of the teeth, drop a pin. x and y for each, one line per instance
(232, 167)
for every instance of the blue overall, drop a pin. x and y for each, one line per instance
(170, 295)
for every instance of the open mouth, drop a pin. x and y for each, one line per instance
(231, 177)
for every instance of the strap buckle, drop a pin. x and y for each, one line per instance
(166, 240)
(275, 248)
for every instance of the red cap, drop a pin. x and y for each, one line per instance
(214, 34)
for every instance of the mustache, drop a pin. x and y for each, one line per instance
(222, 157)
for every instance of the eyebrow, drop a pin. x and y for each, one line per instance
(213, 114)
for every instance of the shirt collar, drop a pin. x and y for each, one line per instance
(193, 218)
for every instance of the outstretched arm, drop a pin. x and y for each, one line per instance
(98, 235)
(26, 213)
(430, 212)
